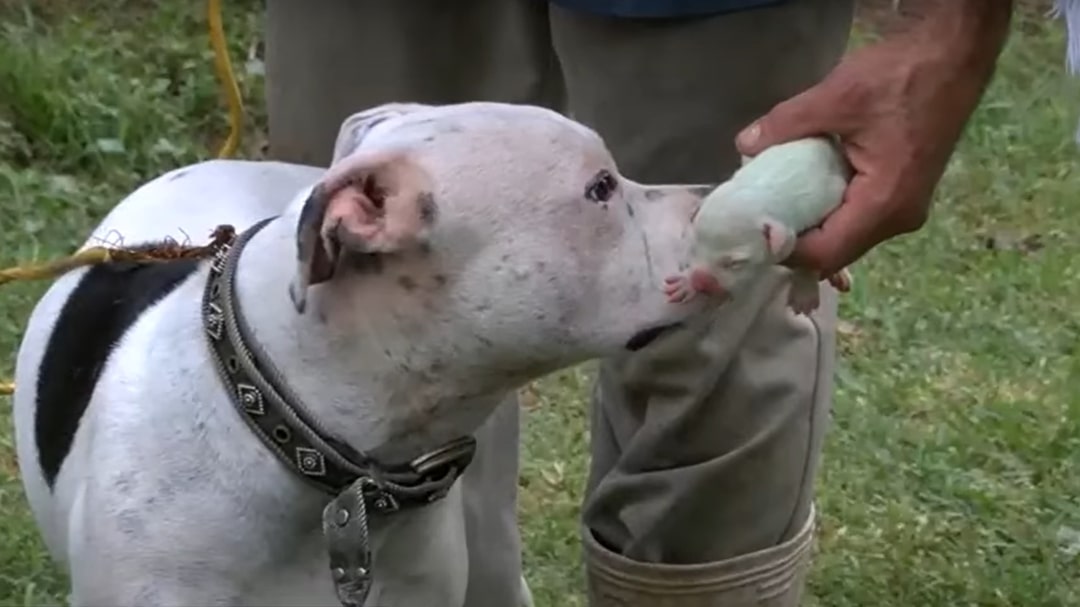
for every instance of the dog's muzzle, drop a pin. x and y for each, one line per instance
(361, 485)
(647, 336)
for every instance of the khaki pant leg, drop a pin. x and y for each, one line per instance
(327, 59)
(705, 446)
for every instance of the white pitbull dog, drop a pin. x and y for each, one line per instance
(449, 255)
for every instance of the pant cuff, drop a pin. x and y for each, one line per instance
(773, 577)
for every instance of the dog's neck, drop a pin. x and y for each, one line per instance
(361, 357)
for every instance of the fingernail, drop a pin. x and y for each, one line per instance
(749, 135)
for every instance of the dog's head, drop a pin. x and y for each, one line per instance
(499, 236)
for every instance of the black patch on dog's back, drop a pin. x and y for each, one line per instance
(107, 301)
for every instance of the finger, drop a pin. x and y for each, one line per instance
(807, 114)
(847, 234)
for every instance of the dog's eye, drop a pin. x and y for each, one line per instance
(602, 187)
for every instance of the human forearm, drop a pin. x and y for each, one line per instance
(898, 107)
(970, 31)
(952, 50)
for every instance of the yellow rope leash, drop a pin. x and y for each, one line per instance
(227, 77)
(96, 255)
(91, 256)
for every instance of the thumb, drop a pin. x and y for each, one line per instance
(807, 114)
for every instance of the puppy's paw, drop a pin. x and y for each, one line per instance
(841, 281)
(803, 295)
(678, 289)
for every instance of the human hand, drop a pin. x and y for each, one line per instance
(898, 108)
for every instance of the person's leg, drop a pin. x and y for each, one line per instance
(491, 523)
(704, 447)
(331, 58)
(327, 59)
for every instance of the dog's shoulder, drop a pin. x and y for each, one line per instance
(104, 304)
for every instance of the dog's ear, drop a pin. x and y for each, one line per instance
(367, 202)
(779, 239)
(355, 128)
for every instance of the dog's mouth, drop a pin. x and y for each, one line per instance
(648, 336)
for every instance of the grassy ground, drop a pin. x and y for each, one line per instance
(952, 472)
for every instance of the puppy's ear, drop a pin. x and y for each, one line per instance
(779, 239)
(368, 202)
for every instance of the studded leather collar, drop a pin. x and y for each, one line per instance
(361, 484)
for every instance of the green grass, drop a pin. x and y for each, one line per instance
(952, 472)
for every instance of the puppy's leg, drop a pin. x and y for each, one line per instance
(677, 288)
(841, 281)
(803, 296)
(681, 288)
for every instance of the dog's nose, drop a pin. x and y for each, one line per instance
(695, 196)
(696, 207)
(702, 190)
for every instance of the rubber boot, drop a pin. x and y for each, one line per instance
(526, 594)
(770, 578)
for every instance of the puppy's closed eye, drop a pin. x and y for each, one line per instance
(732, 263)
